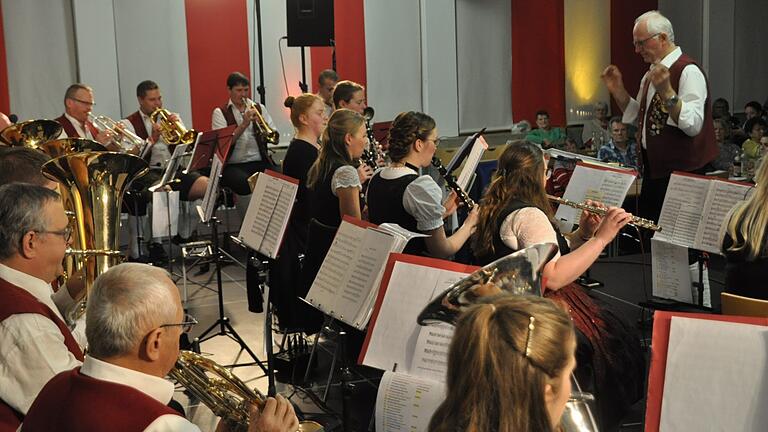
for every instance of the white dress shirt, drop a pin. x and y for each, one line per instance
(82, 132)
(157, 388)
(692, 92)
(245, 149)
(159, 154)
(33, 349)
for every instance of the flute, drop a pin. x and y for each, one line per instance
(637, 221)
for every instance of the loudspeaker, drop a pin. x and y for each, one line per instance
(310, 22)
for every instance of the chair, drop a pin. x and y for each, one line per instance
(733, 304)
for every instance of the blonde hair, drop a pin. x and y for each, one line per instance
(333, 152)
(749, 220)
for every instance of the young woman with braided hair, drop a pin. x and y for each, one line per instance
(509, 367)
(398, 194)
(514, 214)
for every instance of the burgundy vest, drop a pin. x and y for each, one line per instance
(673, 150)
(72, 401)
(18, 301)
(69, 128)
(229, 116)
(138, 125)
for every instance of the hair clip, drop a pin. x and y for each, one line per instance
(529, 337)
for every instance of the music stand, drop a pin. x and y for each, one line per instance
(169, 176)
(216, 141)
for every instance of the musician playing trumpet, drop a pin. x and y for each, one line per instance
(399, 194)
(249, 152)
(515, 213)
(78, 103)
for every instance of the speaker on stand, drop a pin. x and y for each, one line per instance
(310, 23)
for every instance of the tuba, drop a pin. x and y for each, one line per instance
(264, 133)
(221, 391)
(30, 133)
(95, 183)
(519, 274)
(173, 132)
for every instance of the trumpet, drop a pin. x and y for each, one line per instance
(637, 221)
(123, 138)
(173, 132)
(264, 132)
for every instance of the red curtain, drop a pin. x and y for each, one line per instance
(538, 61)
(349, 31)
(623, 14)
(217, 44)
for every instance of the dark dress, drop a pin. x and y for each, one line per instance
(285, 281)
(742, 277)
(610, 361)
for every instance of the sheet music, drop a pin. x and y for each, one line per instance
(406, 403)
(212, 191)
(160, 209)
(682, 209)
(430, 359)
(717, 368)
(395, 336)
(590, 182)
(470, 166)
(670, 270)
(363, 283)
(722, 197)
(267, 216)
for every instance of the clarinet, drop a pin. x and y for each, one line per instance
(369, 159)
(373, 145)
(450, 180)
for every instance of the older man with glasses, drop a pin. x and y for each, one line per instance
(78, 103)
(134, 320)
(35, 339)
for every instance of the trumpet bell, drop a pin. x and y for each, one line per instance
(517, 273)
(173, 132)
(30, 133)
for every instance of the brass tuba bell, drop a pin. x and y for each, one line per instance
(30, 133)
(96, 182)
(173, 132)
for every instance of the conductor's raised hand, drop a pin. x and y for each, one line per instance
(613, 221)
(612, 78)
(659, 76)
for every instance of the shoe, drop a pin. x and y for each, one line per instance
(157, 253)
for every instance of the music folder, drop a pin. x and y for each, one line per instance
(216, 141)
(463, 152)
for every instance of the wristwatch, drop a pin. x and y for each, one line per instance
(670, 103)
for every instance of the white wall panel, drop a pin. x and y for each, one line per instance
(484, 52)
(40, 51)
(440, 78)
(152, 45)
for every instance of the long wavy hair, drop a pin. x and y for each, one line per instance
(749, 220)
(519, 176)
(492, 385)
(333, 152)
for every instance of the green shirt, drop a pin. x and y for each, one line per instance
(554, 135)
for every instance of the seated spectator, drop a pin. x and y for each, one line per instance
(721, 109)
(597, 129)
(728, 150)
(755, 127)
(619, 148)
(751, 109)
(545, 135)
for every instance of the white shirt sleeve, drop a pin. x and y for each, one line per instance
(63, 301)
(32, 353)
(217, 119)
(692, 92)
(633, 108)
(171, 423)
(525, 227)
(422, 200)
(345, 177)
(267, 117)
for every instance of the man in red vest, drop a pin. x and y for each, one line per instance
(134, 321)
(36, 342)
(78, 103)
(672, 110)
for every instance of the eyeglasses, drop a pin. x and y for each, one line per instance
(186, 325)
(84, 102)
(66, 233)
(641, 43)
(436, 141)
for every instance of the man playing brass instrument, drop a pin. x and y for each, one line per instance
(135, 318)
(78, 103)
(37, 344)
(249, 149)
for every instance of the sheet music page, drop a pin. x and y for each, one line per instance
(366, 271)
(406, 403)
(670, 270)
(682, 209)
(280, 214)
(607, 186)
(335, 270)
(212, 191)
(470, 164)
(160, 210)
(431, 357)
(263, 200)
(394, 337)
(719, 369)
(722, 198)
